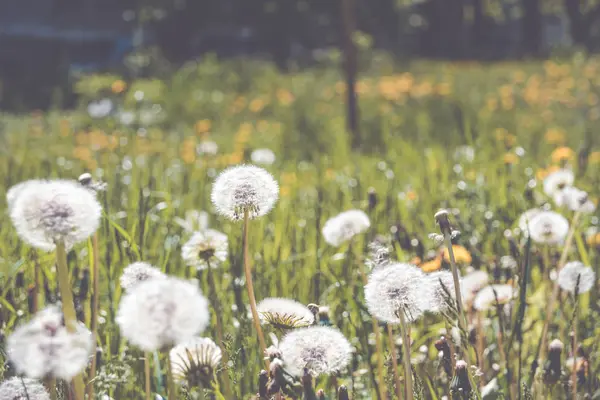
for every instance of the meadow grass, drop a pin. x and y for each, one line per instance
(471, 138)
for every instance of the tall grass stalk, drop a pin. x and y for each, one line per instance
(392, 344)
(408, 379)
(147, 378)
(171, 389)
(95, 310)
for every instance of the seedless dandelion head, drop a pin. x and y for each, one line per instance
(320, 349)
(491, 295)
(205, 247)
(284, 314)
(571, 273)
(160, 313)
(138, 272)
(557, 181)
(44, 348)
(194, 362)
(17, 388)
(548, 227)
(244, 188)
(46, 212)
(345, 226)
(393, 289)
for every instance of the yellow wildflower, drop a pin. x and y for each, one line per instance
(562, 154)
(461, 254)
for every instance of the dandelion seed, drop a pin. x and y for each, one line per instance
(573, 272)
(394, 289)
(44, 348)
(160, 313)
(284, 314)
(138, 272)
(548, 227)
(320, 349)
(557, 181)
(263, 157)
(574, 199)
(47, 212)
(23, 389)
(345, 226)
(195, 361)
(244, 188)
(491, 295)
(205, 247)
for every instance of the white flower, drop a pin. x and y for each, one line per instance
(204, 247)
(557, 181)
(508, 262)
(160, 313)
(44, 348)
(526, 218)
(244, 188)
(491, 295)
(284, 313)
(548, 227)
(263, 156)
(320, 349)
(574, 199)
(100, 108)
(436, 288)
(194, 221)
(571, 272)
(46, 212)
(15, 191)
(393, 289)
(194, 362)
(207, 147)
(138, 272)
(23, 389)
(345, 226)
(472, 282)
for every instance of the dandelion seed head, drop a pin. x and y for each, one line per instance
(345, 226)
(571, 272)
(44, 348)
(574, 199)
(15, 191)
(138, 272)
(472, 282)
(491, 295)
(17, 388)
(194, 361)
(320, 349)
(393, 289)
(159, 313)
(284, 313)
(263, 156)
(207, 147)
(437, 288)
(244, 188)
(557, 181)
(556, 344)
(205, 247)
(508, 262)
(46, 212)
(526, 218)
(548, 227)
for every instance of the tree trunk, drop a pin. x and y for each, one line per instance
(350, 70)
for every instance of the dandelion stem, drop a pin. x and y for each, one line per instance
(250, 287)
(406, 356)
(147, 375)
(95, 308)
(68, 306)
(392, 345)
(575, 316)
(51, 386)
(170, 382)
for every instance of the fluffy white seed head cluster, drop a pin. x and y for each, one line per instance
(14, 191)
(205, 247)
(557, 181)
(284, 313)
(548, 227)
(472, 283)
(437, 290)
(571, 273)
(160, 313)
(491, 295)
(263, 157)
(198, 357)
(393, 289)
(345, 226)
(138, 272)
(575, 200)
(320, 349)
(526, 218)
(244, 188)
(45, 212)
(44, 348)
(23, 389)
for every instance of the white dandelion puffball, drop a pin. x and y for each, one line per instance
(526, 218)
(205, 247)
(47, 212)
(557, 181)
(436, 288)
(138, 272)
(548, 227)
(44, 348)
(393, 289)
(575, 200)
(568, 275)
(23, 389)
(263, 157)
(15, 191)
(194, 355)
(284, 312)
(491, 295)
(244, 188)
(160, 313)
(207, 147)
(473, 282)
(320, 349)
(345, 226)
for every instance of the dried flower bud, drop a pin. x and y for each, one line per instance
(307, 386)
(321, 394)
(443, 346)
(441, 217)
(460, 385)
(20, 280)
(372, 196)
(343, 393)
(552, 367)
(263, 380)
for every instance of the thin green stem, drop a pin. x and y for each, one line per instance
(172, 395)
(408, 379)
(147, 377)
(95, 310)
(392, 344)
